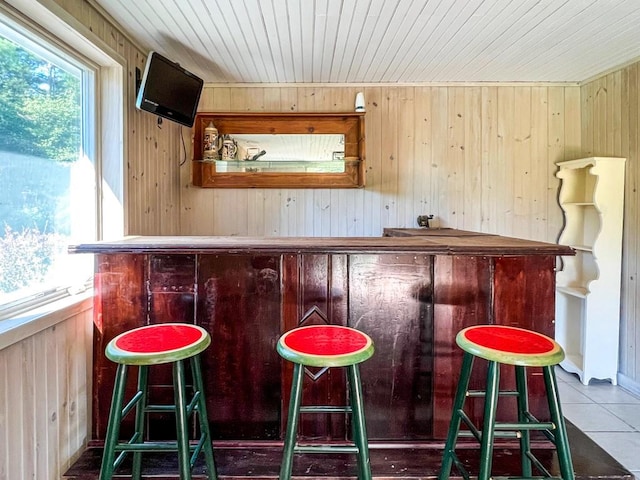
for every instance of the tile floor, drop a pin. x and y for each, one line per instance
(608, 414)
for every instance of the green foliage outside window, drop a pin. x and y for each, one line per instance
(25, 257)
(40, 129)
(40, 105)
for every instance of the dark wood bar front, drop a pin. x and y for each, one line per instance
(410, 294)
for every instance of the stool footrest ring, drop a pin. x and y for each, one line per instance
(483, 393)
(153, 447)
(325, 409)
(469, 434)
(172, 408)
(525, 426)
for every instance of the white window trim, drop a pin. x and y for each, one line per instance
(26, 324)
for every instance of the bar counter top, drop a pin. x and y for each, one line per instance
(444, 241)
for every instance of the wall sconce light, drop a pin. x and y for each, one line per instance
(360, 102)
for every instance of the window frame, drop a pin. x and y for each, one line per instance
(107, 68)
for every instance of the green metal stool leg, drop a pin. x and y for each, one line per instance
(204, 419)
(113, 427)
(523, 409)
(292, 422)
(360, 429)
(184, 461)
(560, 433)
(489, 421)
(143, 375)
(454, 426)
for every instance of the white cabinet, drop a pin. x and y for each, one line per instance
(588, 284)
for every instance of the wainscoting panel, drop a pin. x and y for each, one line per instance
(45, 394)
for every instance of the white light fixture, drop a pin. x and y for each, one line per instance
(360, 102)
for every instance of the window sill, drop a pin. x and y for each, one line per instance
(16, 329)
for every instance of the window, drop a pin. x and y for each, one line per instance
(47, 169)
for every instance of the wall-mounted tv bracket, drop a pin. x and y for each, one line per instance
(138, 80)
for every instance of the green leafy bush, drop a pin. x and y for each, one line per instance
(26, 256)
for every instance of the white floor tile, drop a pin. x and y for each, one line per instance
(606, 393)
(629, 413)
(564, 376)
(568, 395)
(590, 417)
(623, 446)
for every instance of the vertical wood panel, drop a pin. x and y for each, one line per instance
(557, 121)
(610, 127)
(422, 168)
(504, 171)
(401, 406)
(541, 201)
(455, 157)
(489, 138)
(406, 156)
(374, 126)
(439, 149)
(522, 174)
(44, 403)
(572, 128)
(630, 338)
(472, 207)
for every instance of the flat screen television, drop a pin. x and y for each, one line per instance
(168, 90)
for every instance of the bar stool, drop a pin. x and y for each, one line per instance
(151, 345)
(521, 348)
(326, 346)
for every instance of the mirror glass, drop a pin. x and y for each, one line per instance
(286, 153)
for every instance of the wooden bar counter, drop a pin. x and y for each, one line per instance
(411, 294)
(411, 291)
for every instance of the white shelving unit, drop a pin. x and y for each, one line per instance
(588, 284)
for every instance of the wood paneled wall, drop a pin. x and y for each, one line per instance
(45, 394)
(611, 127)
(153, 150)
(477, 157)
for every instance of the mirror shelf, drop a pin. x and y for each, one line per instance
(303, 166)
(343, 166)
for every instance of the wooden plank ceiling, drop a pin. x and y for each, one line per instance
(386, 41)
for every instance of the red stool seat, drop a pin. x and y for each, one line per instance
(160, 343)
(325, 346)
(510, 345)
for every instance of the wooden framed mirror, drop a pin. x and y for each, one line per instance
(279, 150)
